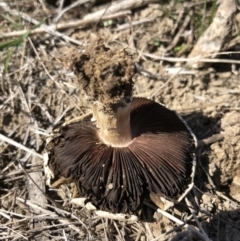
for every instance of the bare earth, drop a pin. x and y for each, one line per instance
(38, 92)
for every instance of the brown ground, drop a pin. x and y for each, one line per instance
(38, 92)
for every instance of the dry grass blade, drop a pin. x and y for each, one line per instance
(192, 210)
(72, 24)
(114, 11)
(73, 5)
(118, 7)
(64, 221)
(200, 59)
(176, 220)
(20, 146)
(133, 23)
(44, 27)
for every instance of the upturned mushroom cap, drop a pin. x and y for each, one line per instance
(160, 159)
(132, 150)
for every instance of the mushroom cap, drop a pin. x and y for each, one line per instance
(160, 159)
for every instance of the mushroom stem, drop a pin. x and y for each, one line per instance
(114, 127)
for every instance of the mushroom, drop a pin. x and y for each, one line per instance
(131, 150)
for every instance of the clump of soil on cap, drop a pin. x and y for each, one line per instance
(114, 67)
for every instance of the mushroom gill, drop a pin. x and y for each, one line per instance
(132, 147)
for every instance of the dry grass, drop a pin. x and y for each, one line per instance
(38, 93)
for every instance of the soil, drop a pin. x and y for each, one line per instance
(97, 67)
(39, 92)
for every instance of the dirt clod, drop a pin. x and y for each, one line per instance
(105, 74)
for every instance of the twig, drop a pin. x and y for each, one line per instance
(65, 213)
(118, 231)
(217, 137)
(112, 12)
(68, 224)
(43, 5)
(205, 171)
(60, 6)
(17, 233)
(73, 5)
(176, 220)
(210, 140)
(5, 215)
(71, 24)
(174, 70)
(134, 23)
(77, 119)
(15, 173)
(64, 221)
(147, 73)
(14, 214)
(119, 6)
(18, 145)
(116, 10)
(117, 216)
(45, 27)
(8, 99)
(177, 21)
(148, 230)
(104, 228)
(190, 207)
(180, 32)
(195, 59)
(220, 194)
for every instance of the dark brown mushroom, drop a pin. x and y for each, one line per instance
(131, 148)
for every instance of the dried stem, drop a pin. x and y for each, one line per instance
(18, 145)
(116, 10)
